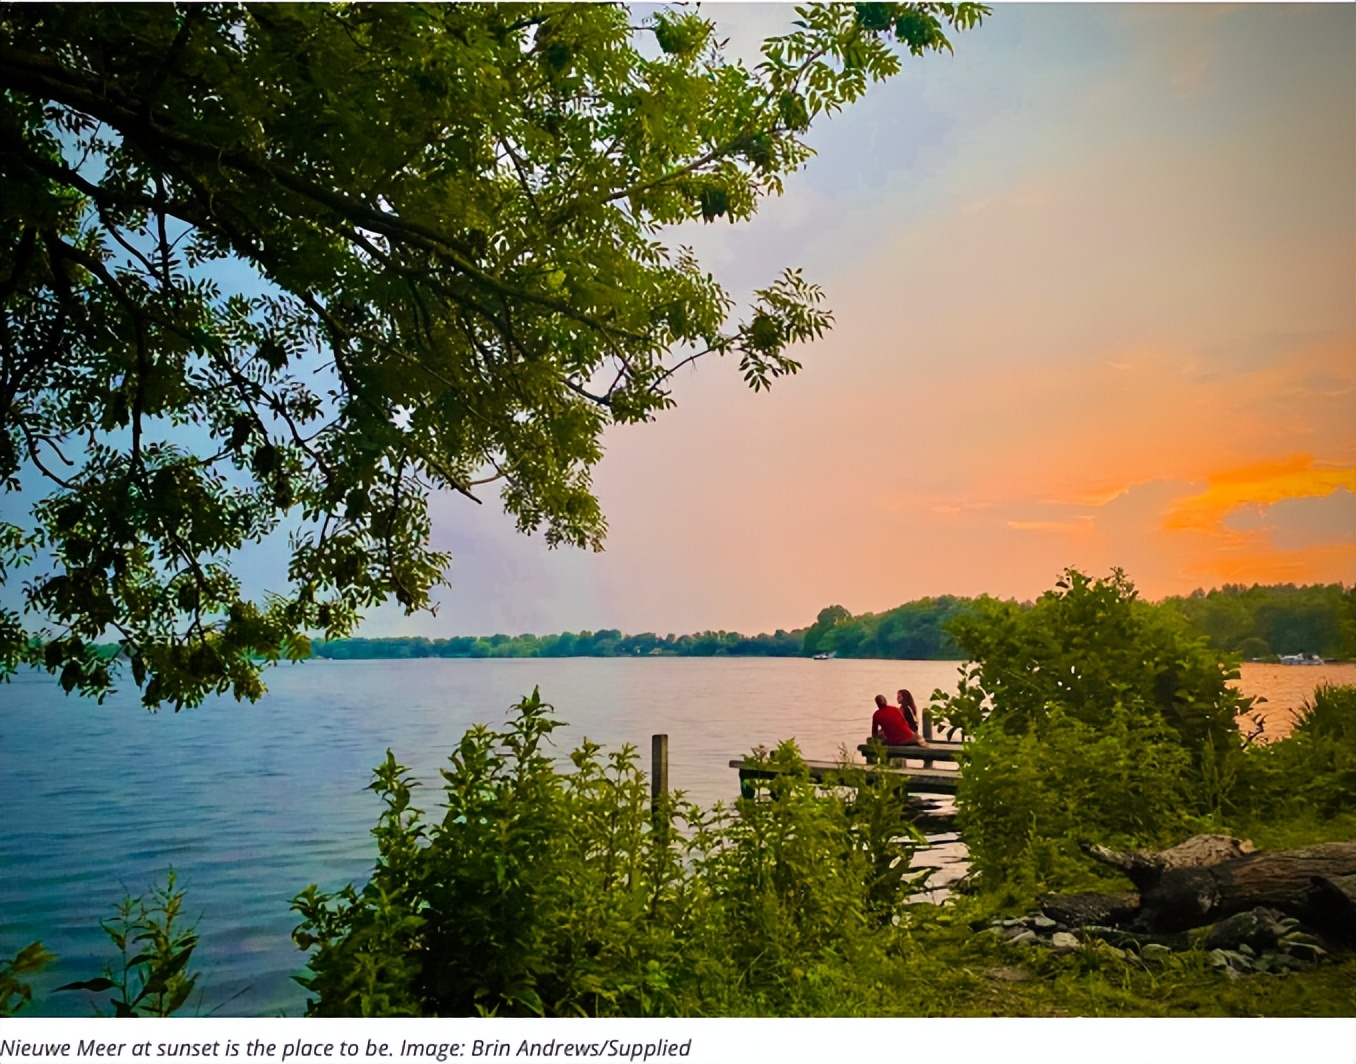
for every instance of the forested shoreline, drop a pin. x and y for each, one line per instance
(1260, 622)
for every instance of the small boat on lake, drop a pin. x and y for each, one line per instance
(1301, 659)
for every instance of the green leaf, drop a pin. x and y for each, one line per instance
(97, 985)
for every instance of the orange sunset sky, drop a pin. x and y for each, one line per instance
(1094, 279)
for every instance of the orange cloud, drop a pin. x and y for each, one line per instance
(1081, 523)
(1259, 483)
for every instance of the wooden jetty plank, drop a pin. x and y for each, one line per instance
(931, 752)
(932, 780)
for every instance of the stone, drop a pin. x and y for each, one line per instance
(1258, 929)
(1025, 935)
(1044, 923)
(1305, 952)
(1064, 942)
(1009, 975)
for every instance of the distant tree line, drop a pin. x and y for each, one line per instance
(607, 643)
(1254, 622)
(1262, 622)
(917, 631)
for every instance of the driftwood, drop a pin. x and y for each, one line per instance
(1079, 910)
(1146, 869)
(1211, 878)
(1249, 912)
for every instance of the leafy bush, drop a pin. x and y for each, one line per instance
(564, 893)
(1094, 715)
(1085, 646)
(1028, 798)
(802, 891)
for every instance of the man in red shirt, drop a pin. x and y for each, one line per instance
(888, 724)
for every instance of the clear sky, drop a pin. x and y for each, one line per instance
(1094, 279)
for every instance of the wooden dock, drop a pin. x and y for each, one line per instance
(911, 764)
(923, 780)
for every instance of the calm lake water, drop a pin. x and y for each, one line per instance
(250, 803)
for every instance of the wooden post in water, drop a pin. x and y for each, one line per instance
(927, 732)
(659, 770)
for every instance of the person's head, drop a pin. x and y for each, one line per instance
(880, 702)
(906, 699)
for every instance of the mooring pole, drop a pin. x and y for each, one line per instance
(659, 769)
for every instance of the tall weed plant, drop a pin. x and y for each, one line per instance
(15, 990)
(549, 892)
(1302, 789)
(155, 941)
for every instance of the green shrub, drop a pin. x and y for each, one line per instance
(803, 891)
(563, 893)
(1094, 716)
(1028, 798)
(1085, 646)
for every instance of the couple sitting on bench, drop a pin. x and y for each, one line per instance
(896, 725)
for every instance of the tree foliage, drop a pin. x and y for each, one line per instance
(917, 631)
(1260, 621)
(305, 264)
(604, 643)
(1085, 646)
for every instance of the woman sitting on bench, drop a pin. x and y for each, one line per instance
(888, 724)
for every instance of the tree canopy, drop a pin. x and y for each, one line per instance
(300, 266)
(1087, 645)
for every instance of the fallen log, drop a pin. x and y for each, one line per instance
(1145, 869)
(1337, 897)
(1302, 883)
